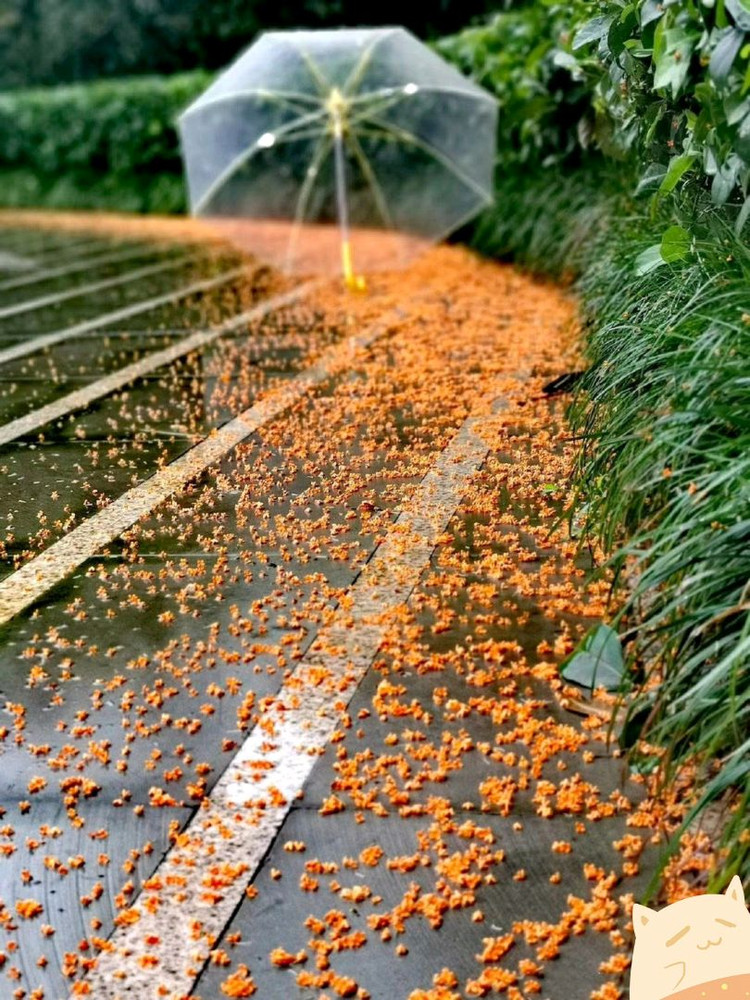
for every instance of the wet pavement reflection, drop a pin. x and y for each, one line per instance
(130, 686)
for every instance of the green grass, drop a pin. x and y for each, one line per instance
(666, 443)
(663, 475)
(547, 221)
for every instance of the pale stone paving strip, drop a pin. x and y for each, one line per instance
(81, 398)
(249, 804)
(119, 315)
(32, 581)
(103, 260)
(32, 305)
(10, 261)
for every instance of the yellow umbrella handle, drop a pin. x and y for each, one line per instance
(354, 282)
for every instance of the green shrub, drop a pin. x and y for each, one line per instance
(158, 194)
(672, 81)
(517, 56)
(662, 83)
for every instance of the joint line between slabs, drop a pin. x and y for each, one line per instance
(243, 816)
(73, 267)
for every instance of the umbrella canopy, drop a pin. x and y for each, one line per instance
(333, 142)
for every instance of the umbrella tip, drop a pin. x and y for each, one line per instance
(355, 282)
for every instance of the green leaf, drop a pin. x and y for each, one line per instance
(649, 260)
(566, 60)
(742, 139)
(678, 166)
(675, 244)
(724, 181)
(598, 661)
(742, 218)
(620, 32)
(740, 12)
(592, 31)
(653, 174)
(651, 10)
(736, 108)
(723, 56)
(672, 62)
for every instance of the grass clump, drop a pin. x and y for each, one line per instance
(647, 212)
(664, 484)
(663, 472)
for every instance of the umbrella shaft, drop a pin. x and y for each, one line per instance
(341, 198)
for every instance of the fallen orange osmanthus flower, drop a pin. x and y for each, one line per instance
(284, 959)
(239, 983)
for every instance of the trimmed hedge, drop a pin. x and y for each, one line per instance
(45, 42)
(111, 144)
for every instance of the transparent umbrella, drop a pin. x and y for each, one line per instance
(320, 148)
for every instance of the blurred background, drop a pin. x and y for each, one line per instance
(63, 41)
(90, 89)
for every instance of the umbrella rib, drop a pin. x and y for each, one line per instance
(374, 95)
(408, 138)
(471, 95)
(244, 157)
(390, 96)
(366, 112)
(372, 180)
(320, 81)
(304, 133)
(325, 146)
(358, 71)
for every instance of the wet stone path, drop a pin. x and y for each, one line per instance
(280, 620)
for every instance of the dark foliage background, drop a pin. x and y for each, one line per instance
(61, 41)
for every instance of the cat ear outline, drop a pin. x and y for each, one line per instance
(642, 916)
(735, 891)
